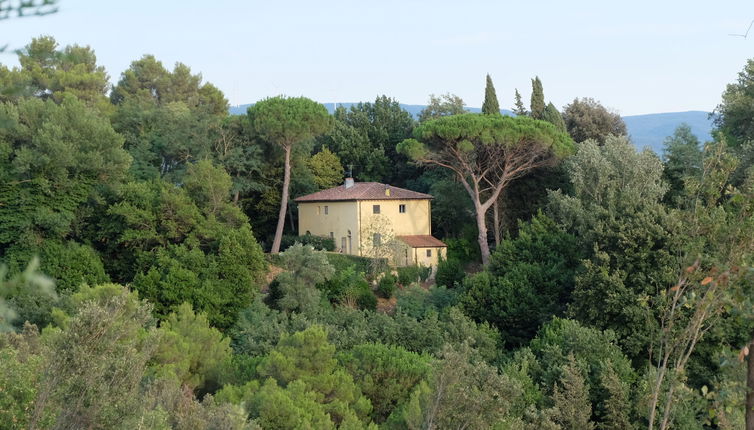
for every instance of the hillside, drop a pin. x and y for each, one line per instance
(648, 130)
(651, 129)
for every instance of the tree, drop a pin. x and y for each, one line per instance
(587, 119)
(363, 158)
(717, 256)
(518, 107)
(537, 99)
(191, 351)
(95, 363)
(463, 393)
(53, 158)
(528, 281)
(486, 153)
(288, 122)
(553, 117)
(573, 411)
(733, 116)
(382, 125)
(52, 73)
(616, 210)
(326, 168)
(683, 160)
(28, 282)
(443, 105)
(305, 268)
(386, 375)
(307, 358)
(490, 105)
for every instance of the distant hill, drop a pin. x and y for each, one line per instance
(652, 129)
(648, 130)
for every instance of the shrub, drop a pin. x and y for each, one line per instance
(416, 301)
(424, 272)
(408, 274)
(343, 261)
(321, 243)
(344, 280)
(386, 287)
(366, 300)
(449, 272)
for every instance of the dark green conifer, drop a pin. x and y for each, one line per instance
(490, 105)
(537, 99)
(553, 117)
(519, 108)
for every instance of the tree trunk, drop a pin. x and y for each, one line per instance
(750, 388)
(235, 197)
(283, 202)
(496, 220)
(481, 224)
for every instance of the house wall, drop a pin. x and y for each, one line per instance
(416, 219)
(390, 222)
(341, 218)
(421, 258)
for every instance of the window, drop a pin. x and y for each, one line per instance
(332, 235)
(326, 210)
(375, 209)
(402, 209)
(319, 210)
(377, 239)
(429, 253)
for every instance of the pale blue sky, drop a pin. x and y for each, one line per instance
(636, 57)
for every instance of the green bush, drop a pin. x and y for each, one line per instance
(321, 243)
(344, 280)
(408, 274)
(386, 286)
(424, 272)
(449, 273)
(343, 261)
(366, 300)
(416, 301)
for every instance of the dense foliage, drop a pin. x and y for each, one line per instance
(135, 292)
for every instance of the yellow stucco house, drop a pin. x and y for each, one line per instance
(376, 220)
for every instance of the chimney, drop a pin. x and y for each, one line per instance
(349, 182)
(387, 190)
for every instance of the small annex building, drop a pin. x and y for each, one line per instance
(375, 220)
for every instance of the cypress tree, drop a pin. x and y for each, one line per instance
(552, 116)
(537, 99)
(519, 108)
(490, 105)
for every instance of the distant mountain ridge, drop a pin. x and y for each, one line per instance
(648, 130)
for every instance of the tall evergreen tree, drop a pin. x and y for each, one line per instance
(519, 109)
(490, 105)
(553, 117)
(537, 99)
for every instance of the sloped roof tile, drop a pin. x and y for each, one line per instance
(363, 191)
(422, 241)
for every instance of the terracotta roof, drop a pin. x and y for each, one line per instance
(422, 241)
(363, 191)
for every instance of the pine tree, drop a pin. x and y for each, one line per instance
(490, 105)
(573, 411)
(537, 99)
(553, 117)
(519, 108)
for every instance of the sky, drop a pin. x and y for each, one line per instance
(635, 57)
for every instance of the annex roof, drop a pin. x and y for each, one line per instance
(363, 191)
(422, 241)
